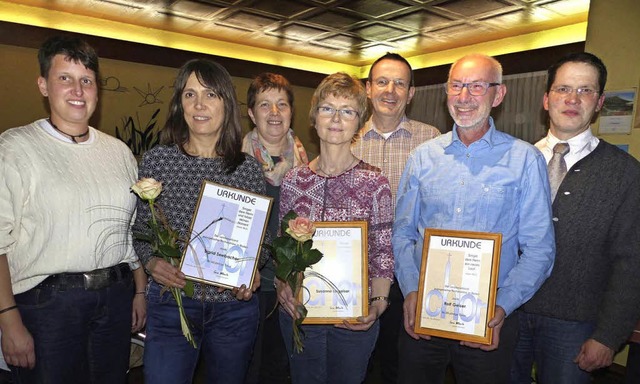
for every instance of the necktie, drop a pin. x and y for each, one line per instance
(557, 167)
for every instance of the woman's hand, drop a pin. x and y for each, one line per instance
(17, 343)
(139, 313)
(376, 309)
(244, 293)
(286, 299)
(164, 273)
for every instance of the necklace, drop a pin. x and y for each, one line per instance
(73, 137)
(336, 173)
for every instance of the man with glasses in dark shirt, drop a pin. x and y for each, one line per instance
(589, 305)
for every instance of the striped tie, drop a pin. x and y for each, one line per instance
(557, 167)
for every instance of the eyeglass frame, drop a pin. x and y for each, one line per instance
(487, 85)
(383, 83)
(580, 91)
(341, 112)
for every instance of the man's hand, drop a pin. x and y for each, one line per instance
(594, 355)
(409, 315)
(495, 323)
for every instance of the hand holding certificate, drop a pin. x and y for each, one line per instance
(458, 283)
(336, 289)
(226, 236)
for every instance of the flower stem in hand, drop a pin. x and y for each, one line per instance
(183, 317)
(298, 333)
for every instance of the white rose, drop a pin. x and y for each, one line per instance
(147, 188)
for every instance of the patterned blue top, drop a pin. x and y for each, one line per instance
(181, 178)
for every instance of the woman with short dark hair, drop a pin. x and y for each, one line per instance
(274, 144)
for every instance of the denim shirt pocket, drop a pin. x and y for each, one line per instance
(496, 207)
(437, 205)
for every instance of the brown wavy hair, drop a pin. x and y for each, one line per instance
(214, 76)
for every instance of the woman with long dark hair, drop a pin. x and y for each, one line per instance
(201, 140)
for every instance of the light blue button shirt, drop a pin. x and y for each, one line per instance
(498, 184)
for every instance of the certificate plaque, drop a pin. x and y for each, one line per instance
(226, 236)
(336, 288)
(458, 283)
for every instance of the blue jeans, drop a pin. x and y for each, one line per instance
(552, 344)
(269, 363)
(224, 332)
(331, 355)
(426, 361)
(80, 336)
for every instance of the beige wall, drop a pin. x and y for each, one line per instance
(612, 35)
(131, 93)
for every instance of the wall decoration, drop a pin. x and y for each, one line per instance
(112, 84)
(149, 97)
(617, 112)
(624, 147)
(140, 138)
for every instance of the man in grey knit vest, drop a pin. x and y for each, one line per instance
(589, 305)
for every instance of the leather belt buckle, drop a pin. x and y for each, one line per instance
(98, 279)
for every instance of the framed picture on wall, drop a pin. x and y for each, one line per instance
(618, 112)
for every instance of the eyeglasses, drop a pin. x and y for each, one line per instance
(475, 88)
(383, 83)
(345, 114)
(581, 92)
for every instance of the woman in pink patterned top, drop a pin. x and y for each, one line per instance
(336, 186)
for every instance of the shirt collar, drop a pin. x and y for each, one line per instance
(369, 130)
(576, 143)
(490, 137)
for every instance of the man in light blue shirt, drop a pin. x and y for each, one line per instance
(473, 178)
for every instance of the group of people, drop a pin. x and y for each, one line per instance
(73, 283)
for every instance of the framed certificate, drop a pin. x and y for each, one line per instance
(458, 283)
(226, 236)
(336, 288)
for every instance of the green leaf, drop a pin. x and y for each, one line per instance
(169, 251)
(164, 236)
(284, 253)
(285, 221)
(312, 256)
(143, 237)
(283, 269)
(283, 242)
(188, 288)
(302, 311)
(306, 246)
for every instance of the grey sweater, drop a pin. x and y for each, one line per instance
(596, 276)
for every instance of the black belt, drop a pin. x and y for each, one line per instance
(90, 281)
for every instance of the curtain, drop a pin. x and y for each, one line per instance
(520, 114)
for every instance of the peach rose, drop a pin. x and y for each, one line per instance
(301, 229)
(147, 188)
